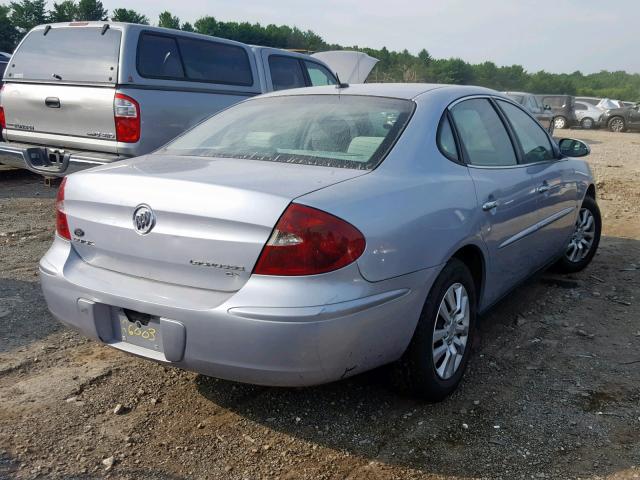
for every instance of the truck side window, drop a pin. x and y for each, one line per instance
(158, 57)
(215, 62)
(319, 75)
(286, 72)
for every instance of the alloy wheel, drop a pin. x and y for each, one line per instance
(587, 123)
(616, 125)
(582, 239)
(559, 123)
(451, 331)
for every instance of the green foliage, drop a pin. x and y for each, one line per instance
(8, 32)
(167, 20)
(187, 27)
(128, 16)
(65, 11)
(26, 14)
(91, 10)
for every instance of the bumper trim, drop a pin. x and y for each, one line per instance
(319, 312)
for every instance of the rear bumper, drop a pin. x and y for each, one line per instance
(52, 161)
(217, 334)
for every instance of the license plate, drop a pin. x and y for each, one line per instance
(140, 329)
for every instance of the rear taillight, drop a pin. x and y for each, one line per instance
(126, 113)
(308, 241)
(3, 121)
(62, 227)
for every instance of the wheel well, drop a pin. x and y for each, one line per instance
(591, 191)
(472, 257)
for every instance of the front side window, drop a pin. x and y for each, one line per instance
(286, 72)
(326, 130)
(482, 133)
(158, 57)
(318, 74)
(534, 141)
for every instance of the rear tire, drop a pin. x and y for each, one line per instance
(560, 122)
(429, 367)
(587, 123)
(574, 258)
(617, 125)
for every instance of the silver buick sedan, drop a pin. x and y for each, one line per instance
(308, 235)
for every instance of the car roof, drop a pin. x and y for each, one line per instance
(407, 91)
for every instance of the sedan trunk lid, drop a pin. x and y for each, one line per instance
(212, 216)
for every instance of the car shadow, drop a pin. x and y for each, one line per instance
(526, 405)
(20, 183)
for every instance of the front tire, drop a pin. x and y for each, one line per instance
(560, 122)
(584, 241)
(437, 356)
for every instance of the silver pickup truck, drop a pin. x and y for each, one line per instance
(81, 94)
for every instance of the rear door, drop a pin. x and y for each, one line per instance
(505, 190)
(60, 87)
(555, 187)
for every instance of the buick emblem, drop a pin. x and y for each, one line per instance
(143, 219)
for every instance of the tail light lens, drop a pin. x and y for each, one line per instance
(3, 121)
(308, 241)
(62, 227)
(126, 112)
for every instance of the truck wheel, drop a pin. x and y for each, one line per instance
(584, 240)
(560, 122)
(437, 356)
(616, 124)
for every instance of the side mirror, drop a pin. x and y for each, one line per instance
(547, 107)
(570, 147)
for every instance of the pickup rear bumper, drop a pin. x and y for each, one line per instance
(52, 161)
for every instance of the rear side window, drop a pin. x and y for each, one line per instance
(319, 75)
(181, 58)
(286, 72)
(158, 57)
(68, 54)
(446, 140)
(483, 135)
(215, 62)
(534, 141)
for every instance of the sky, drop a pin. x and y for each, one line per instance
(556, 36)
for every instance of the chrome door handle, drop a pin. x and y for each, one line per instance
(543, 188)
(489, 205)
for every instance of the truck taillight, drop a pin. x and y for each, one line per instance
(308, 241)
(126, 113)
(62, 226)
(3, 121)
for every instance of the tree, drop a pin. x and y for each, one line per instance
(26, 14)
(206, 25)
(187, 27)
(129, 16)
(167, 20)
(8, 32)
(91, 10)
(65, 11)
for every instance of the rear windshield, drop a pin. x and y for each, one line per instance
(68, 54)
(327, 130)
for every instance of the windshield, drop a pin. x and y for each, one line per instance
(327, 130)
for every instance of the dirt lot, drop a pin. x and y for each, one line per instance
(553, 390)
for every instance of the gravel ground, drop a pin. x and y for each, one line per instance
(552, 390)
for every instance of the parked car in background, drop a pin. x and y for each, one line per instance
(621, 119)
(89, 93)
(562, 107)
(538, 110)
(4, 60)
(590, 100)
(265, 264)
(587, 114)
